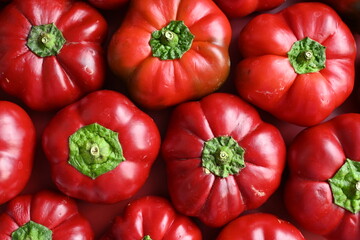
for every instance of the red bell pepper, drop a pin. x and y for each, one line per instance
(257, 226)
(50, 51)
(149, 218)
(101, 148)
(108, 4)
(45, 215)
(298, 63)
(170, 51)
(241, 8)
(17, 146)
(323, 191)
(221, 158)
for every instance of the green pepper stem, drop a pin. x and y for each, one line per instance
(172, 41)
(169, 38)
(345, 186)
(95, 150)
(222, 156)
(32, 230)
(307, 56)
(45, 40)
(147, 237)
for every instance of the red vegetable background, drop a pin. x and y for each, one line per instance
(101, 215)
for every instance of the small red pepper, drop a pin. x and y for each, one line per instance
(298, 64)
(101, 148)
(17, 147)
(323, 191)
(44, 215)
(51, 51)
(221, 158)
(262, 226)
(152, 218)
(171, 51)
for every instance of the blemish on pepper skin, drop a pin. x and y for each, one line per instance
(88, 70)
(258, 192)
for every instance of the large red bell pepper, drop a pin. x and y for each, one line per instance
(50, 51)
(170, 51)
(150, 218)
(101, 148)
(323, 191)
(262, 226)
(241, 8)
(45, 215)
(221, 158)
(17, 145)
(298, 63)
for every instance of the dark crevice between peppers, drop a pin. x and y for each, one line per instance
(307, 56)
(45, 40)
(222, 156)
(172, 41)
(32, 230)
(345, 186)
(95, 150)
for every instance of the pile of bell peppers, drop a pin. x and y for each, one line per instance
(179, 120)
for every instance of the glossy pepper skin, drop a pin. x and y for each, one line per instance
(152, 217)
(54, 215)
(303, 69)
(241, 8)
(315, 157)
(117, 146)
(17, 147)
(169, 51)
(257, 226)
(249, 158)
(47, 71)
